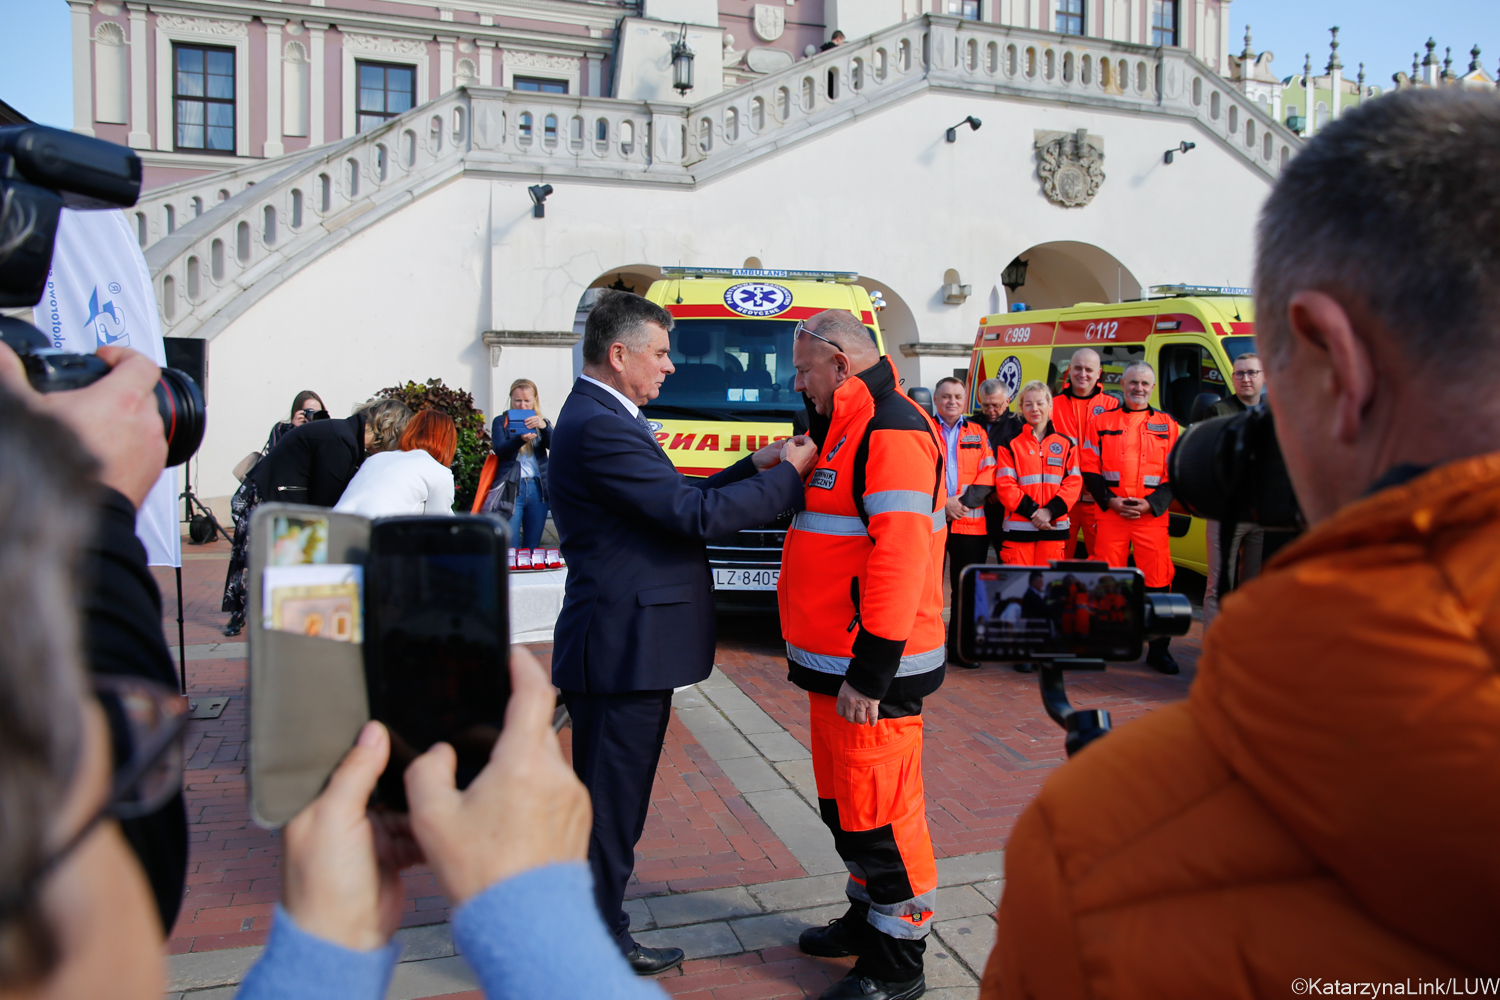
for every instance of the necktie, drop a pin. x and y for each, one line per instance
(641, 417)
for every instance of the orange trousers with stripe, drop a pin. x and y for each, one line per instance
(1085, 520)
(1144, 537)
(871, 796)
(1032, 553)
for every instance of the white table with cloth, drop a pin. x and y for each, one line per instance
(536, 599)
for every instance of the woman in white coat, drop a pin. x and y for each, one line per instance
(415, 480)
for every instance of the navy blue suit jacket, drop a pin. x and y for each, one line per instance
(639, 610)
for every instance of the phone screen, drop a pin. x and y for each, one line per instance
(437, 647)
(1014, 614)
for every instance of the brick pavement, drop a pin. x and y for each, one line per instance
(990, 745)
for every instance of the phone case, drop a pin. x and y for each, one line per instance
(307, 697)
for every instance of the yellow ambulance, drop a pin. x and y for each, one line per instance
(732, 390)
(1190, 334)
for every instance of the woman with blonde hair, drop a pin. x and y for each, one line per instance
(521, 475)
(1037, 480)
(416, 479)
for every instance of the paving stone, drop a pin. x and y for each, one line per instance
(704, 721)
(991, 890)
(800, 774)
(700, 907)
(696, 941)
(725, 745)
(960, 993)
(751, 774)
(413, 980)
(801, 893)
(780, 745)
(799, 828)
(962, 901)
(944, 971)
(690, 697)
(741, 709)
(426, 941)
(200, 969)
(780, 930)
(967, 868)
(970, 938)
(640, 915)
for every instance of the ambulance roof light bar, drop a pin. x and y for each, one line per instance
(1180, 290)
(842, 277)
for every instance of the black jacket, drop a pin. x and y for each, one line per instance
(123, 636)
(508, 451)
(313, 463)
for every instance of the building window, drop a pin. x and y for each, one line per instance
(538, 85)
(966, 9)
(203, 95)
(1070, 17)
(1163, 22)
(385, 91)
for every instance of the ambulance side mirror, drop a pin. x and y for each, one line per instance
(923, 398)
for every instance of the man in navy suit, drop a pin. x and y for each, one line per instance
(638, 618)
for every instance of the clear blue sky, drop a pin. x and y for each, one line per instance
(36, 75)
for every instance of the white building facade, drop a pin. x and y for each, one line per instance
(405, 247)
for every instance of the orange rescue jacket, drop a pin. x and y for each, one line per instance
(976, 467)
(1324, 806)
(1125, 455)
(1073, 416)
(1032, 474)
(861, 592)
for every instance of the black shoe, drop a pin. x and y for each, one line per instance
(1024, 668)
(833, 941)
(1161, 658)
(235, 625)
(650, 961)
(858, 986)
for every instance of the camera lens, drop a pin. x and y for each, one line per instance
(1197, 466)
(180, 403)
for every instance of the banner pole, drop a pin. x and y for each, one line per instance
(181, 646)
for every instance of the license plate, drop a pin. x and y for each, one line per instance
(746, 579)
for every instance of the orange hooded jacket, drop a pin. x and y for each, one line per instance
(1325, 805)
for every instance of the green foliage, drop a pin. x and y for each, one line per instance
(473, 435)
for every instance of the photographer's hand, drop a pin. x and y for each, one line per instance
(524, 810)
(115, 418)
(339, 887)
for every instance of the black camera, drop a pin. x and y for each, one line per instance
(1071, 615)
(42, 170)
(1230, 469)
(311, 415)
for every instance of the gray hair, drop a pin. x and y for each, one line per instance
(1395, 206)
(1133, 366)
(47, 488)
(990, 386)
(620, 318)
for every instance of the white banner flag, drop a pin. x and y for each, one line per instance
(99, 294)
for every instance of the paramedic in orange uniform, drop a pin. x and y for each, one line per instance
(1125, 468)
(1037, 480)
(861, 602)
(1074, 411)
(968, 463)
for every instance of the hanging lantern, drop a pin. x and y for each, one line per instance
(682, 64)
(1014, 275)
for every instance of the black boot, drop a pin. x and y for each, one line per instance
(236, 623)
(843, 936)
(861, 986)
(1161, 658)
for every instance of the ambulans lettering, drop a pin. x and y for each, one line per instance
(823, 479)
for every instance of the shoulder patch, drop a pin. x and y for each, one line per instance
(823, 479)
(1055, 447)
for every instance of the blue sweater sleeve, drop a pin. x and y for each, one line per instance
(538, 934)
(298, 966)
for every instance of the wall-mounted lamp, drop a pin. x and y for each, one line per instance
(970, 121)
(539, 193)
(682, 64)
(1182, 147)
(1014, 275)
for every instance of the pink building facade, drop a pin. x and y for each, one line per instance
(199, 86)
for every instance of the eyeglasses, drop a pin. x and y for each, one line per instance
(1250, 373)
(802, 328)
(146, 721)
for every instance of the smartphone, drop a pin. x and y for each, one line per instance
(515, 421)
(1019, 614)
(437, 641)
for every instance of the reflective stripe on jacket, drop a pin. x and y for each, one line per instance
(1033, 474)
(1126, 456)
(976, 467)
(861, 569)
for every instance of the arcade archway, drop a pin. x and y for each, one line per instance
(1067, 272)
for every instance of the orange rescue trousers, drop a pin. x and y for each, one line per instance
(1146, 537)
(1033, 553)
(1085, 520)
(871, 797)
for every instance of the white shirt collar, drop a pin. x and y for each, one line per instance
(630, 407)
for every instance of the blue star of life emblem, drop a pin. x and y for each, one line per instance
(758, 298)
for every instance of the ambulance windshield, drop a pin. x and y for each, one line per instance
(739, 367)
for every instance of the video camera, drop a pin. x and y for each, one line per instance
(42, 171)
(1071, 615)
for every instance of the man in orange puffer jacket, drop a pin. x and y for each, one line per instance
(1325, 807)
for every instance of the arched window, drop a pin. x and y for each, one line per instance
(296, 208)
(758, 114)
(140, 228)
(549, 130)
(1197, 90)
(170, 217)
(731, 124)
(409, 149)
(1067, 67)
(627, 137)
(382, 162)
(325, 196)
(1213, 105)
(523, 127)
(352, 176)
(169, 297)
(808, 93)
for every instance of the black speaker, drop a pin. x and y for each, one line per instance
(189, 355)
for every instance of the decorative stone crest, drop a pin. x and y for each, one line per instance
(1070, 165)
(202, 26)
(770, 22)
